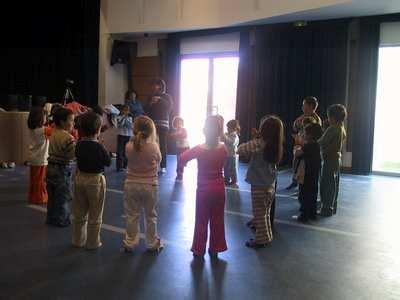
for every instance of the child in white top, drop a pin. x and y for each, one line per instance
(38, 154)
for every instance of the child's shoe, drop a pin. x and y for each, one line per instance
(157, 247)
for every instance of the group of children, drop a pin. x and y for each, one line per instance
(217, 164)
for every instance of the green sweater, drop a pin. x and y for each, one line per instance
(331, 142)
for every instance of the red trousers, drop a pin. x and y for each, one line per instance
(210, 205)
(37, 185)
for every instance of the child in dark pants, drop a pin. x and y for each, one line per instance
(58, 179)
(309, 154)
(331, 144)
(125, 126)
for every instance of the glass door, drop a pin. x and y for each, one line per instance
(386, 137)
(208, 86)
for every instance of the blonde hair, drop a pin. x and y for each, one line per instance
(144, 131)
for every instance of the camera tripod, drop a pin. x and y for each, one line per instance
(68, 95)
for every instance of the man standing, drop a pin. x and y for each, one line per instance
(158, 109)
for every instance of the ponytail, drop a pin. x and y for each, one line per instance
(143, 130)
(138, 141)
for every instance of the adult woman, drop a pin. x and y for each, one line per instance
(158, 109)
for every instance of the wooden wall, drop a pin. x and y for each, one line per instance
(144, 70)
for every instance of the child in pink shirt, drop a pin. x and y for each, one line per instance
(141, 185)
(210, 194)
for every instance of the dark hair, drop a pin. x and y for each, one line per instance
(272, 134)
(36, 117)
(311, 100)
(233, 125)
(89, 123)
(160, 82)
(124, 106)
(54, 107)
(213, 128)
(129, 92)
(337, 112)
(61, 115)
(98, 110)
(313, 130)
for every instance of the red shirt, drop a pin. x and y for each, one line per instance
(210, 163)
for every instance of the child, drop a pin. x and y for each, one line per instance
(125, 133)
(38, 154)
(182, 144)
(309, 155)
(266, 153)
(310, 105)
(141, 185)
(90, 183)
(210, 194)
(231, 140)
(61, 153)
(331, 144)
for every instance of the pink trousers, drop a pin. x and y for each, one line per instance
(210, 205)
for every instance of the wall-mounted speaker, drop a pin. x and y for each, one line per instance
(123, 52)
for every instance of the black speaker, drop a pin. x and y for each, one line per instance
(12, 102)
(39, 101)
(24, 102)
(122, 52)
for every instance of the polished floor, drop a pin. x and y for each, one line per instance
(353, 255)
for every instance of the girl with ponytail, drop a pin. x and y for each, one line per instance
(266, 152)
(141, 185)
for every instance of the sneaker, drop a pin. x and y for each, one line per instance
(11, 165)
(252, 244)
(163, 170)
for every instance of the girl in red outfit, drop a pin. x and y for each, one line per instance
(210, 194)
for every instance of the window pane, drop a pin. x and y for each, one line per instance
(194, 91)
(386, 141)
(224, 86)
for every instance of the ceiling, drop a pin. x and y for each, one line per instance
(355, 8)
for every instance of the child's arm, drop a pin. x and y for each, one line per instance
(69, 148)
(105, 155)
(249, 148)
(185, 157)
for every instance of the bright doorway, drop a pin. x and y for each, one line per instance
(208, 86)
(386, 138)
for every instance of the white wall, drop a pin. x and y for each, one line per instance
(112, 79)
(133, 16)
